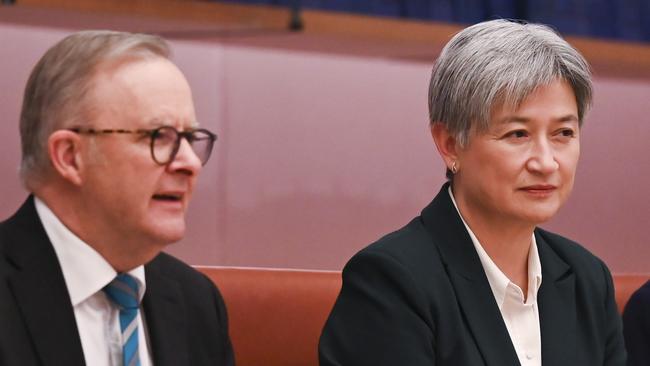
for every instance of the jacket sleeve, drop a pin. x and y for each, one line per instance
(636, 327)
(228, 357)
(380, 317)
(615, 354)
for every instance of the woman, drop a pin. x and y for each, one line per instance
(473, 280)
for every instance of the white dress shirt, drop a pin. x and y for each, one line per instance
(86, 272)
(520, 316)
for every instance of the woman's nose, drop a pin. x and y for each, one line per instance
(543, 159)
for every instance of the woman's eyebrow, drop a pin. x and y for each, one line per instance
(519, 119)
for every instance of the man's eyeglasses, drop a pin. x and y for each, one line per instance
(165, 141)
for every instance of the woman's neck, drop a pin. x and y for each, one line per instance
(505, 241)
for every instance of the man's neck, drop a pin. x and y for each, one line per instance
(68, 207)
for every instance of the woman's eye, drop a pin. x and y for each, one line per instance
(568, 133)
(517, 134)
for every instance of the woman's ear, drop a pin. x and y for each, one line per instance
(446, 144)
(64, 149)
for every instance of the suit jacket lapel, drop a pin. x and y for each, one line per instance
(468, 278)
(164, 314)
(557, 307)
(40, 291)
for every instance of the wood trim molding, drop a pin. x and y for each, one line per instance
(267, 26)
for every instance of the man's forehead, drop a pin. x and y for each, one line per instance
(148, 93)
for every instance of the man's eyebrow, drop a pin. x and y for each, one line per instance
(159, 122)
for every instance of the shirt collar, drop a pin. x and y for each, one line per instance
(498, 281)
(85, 271)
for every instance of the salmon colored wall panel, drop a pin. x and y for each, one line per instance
(20, 49)
(325, 153)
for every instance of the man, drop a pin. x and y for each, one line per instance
(111, 154)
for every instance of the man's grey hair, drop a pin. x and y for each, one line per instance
(56, 94)
(500, 62)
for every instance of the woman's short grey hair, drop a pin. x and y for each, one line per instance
(500, 62)
(57, 89)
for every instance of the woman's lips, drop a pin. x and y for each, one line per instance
(539, 189)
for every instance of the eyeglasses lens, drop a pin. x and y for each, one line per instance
(202, 145)
(165, 144)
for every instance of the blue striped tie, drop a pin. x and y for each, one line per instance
(123, 291)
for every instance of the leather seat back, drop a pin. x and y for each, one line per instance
(276, 315)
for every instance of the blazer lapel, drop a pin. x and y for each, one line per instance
(557, 307)
(468, 278)
(164, 313)
(40, 291)
(484, 320)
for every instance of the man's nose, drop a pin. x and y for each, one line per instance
(186, 159)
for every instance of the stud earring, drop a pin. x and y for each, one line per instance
(454, 168)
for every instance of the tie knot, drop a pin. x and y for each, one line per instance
(123, 291)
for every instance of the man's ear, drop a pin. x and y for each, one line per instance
(446, 143)
(64, 149)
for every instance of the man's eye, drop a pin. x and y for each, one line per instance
(164, 136)
(192, 137)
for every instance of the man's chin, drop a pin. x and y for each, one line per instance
(167, 233)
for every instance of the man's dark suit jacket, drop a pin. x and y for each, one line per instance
(636, 327)
(185, 314)
(419, 297)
